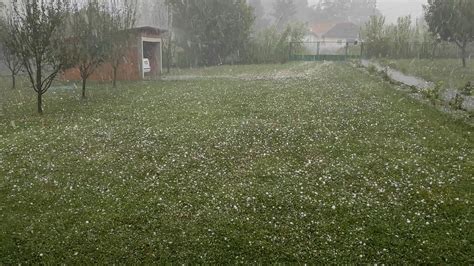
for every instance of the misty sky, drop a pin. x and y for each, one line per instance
(393, 9)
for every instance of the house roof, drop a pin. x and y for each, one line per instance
(345, 30)
(321, 28)
(150, 29)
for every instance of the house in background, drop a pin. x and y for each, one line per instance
(316, 31)
(342, 33)
(330, 37)
(319, 29)
(143, 59)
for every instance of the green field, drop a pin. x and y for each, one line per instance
(297, 163)
(448, 71)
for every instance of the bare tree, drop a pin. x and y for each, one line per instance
(7, 49)
(36, 38)
(91, 38)
(168, 45)
(284, 12)
(123, 19)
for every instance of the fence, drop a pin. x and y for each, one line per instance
(324, 51)
(340, 51)
(408, 50)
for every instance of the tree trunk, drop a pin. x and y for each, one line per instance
(114, 81)
(170, 38)
(464, 55)
(169, 55)
(39, 87)
(40, 103)
(13, 81)
(433, 53)
(463, 46)
(84, 88)
(168, 65)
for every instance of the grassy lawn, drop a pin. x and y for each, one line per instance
(448, 71)
(303, 162)
(240, 71)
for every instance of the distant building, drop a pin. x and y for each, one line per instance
(144, 45)
(342, 32)
(331, 36)
(318, 30)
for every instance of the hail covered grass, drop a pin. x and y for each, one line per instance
(288, 163)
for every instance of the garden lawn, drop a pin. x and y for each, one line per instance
(298, 163)
(448, 71)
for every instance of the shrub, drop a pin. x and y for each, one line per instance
(457, 102)
(272, 46)
(385, 76)
(392, 64)
(468, 89)
(372, 69)
(433, 93)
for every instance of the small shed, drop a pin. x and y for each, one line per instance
(145, 45)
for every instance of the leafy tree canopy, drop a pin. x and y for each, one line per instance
(452, 20)
(211, 30)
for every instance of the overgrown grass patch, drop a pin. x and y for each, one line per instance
(333, 166)
(448, 71)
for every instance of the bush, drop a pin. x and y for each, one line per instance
(433, 93)
(272, 46)
(468, 89)
(372, 69)
(414, 89)
(385, 76)
(457, 102)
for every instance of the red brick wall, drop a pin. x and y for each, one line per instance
(128, 70)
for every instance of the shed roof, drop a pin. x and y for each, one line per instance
(149, 29)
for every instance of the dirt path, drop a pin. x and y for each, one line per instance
(399, 76)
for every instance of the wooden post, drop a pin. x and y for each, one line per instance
(347, 49)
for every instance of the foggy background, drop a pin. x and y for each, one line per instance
(392, 9)
(153, 12)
